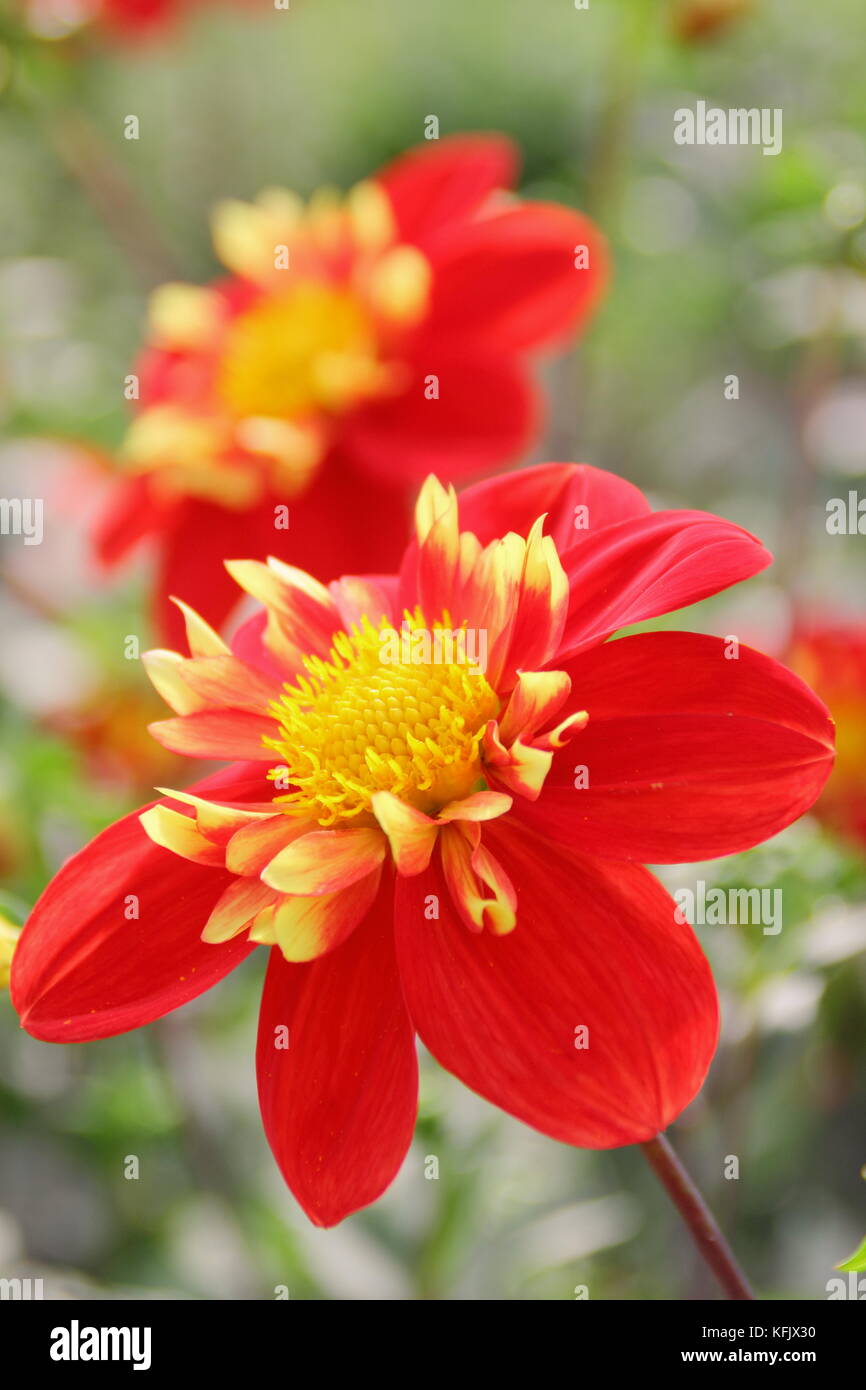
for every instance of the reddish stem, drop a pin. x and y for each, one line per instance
(698, 1217)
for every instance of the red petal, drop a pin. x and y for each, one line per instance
(486, 413)
(347, 523)
(191, 566)
(510, 281)
(650, 565)
(446, 181)
(83, 970)
(689, 754)
(338, 1104)
(343, 524)
(513, 501)
(596, 946)
(129, 516)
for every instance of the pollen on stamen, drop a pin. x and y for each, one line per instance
(359, 722)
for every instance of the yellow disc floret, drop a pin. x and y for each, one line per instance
(312, 348)
(399, 711)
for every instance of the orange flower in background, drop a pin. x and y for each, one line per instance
(108, 728)
(696, 20)
(443, 788)
(358, 343)
(831, 656)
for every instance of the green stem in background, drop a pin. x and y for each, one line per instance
(701, 1223)
(90, 160)
(575, 412)
(609, 159)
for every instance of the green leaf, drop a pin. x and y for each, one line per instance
(856, 1261)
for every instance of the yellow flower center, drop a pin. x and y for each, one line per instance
(313, 348)
(387, 712)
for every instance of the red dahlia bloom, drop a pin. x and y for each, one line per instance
(357, 344)
(831, 656)
(441, 787)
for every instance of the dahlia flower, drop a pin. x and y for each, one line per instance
(358, 343)
(831, 656)
(441, 786)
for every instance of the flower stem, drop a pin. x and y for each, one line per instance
(90, 161)
(697, 1216)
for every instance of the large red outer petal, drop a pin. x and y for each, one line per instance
(344, 523)
(338, 1104)
(649, 565)
(689, 754)
(82, 970)
(513, 501)
(595, 946)
(510, 280)
(487, 411)
(446, 181)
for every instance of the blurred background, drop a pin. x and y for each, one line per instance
(727, 262)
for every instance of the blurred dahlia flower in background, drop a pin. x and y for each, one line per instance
(695, 21)
(831, 656)
(432, 842)
(358, 342)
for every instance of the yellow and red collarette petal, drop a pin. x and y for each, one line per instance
(227, 682)
(541, 609)
(513, 589)
(179, 833)
(564, 731)
(358, 597)
(411, 834)
(469, 869)
(227, 735)
(291, 450)
(479, 587)
(301, 615)
(245, 235)
(237, 909)
(165, 671)
(438, 534)
(191, 684)
(490, 597)
(477, 807)
(202, 639)
(253, 846)
(433, 502)
(185, 317)
(218, 823)
(325, 861)
(522, 767)
(307, 927)
(398, 285)
(535, 698)
(371, 218)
